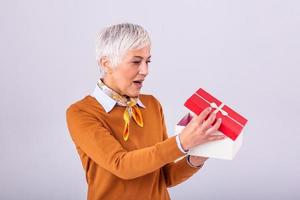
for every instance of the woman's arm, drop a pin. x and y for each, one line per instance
(177, 171)
(180, 170)
(96, 141)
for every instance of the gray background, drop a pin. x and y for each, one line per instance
(244, 52)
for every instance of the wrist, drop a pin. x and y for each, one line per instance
(179, 145)
(183, 142)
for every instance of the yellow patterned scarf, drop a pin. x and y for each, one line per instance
(132, 110)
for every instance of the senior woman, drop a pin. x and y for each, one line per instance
(120, 134)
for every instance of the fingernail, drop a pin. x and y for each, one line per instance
(209, 108)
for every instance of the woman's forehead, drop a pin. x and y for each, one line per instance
(141, 53)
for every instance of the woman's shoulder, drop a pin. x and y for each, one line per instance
(149, 100)
(88, 104)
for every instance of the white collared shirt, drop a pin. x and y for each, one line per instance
(106, 101)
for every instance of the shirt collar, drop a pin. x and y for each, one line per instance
(107, 102)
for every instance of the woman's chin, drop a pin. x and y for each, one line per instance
(135, 93)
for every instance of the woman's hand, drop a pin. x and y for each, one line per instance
(197, 161)
(200, 131)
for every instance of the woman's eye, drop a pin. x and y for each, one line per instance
(139, 62)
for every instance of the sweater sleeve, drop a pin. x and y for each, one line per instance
(89, 134)
(177, 171)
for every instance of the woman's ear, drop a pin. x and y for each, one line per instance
(105, 63)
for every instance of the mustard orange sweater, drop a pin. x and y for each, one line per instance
(141, 167)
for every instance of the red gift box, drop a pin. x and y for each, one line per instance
(232, 122)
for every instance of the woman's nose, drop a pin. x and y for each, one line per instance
(144, 69)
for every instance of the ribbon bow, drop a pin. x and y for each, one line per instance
(131, 110)
(218, 108)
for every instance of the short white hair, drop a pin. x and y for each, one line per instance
(114, 41)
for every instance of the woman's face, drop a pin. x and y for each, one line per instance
(127, 78)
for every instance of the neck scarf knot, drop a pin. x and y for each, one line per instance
(131, 110)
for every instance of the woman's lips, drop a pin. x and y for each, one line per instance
(138, 84)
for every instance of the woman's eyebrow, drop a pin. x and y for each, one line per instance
(140, 57)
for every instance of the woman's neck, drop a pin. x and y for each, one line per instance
(109, 84)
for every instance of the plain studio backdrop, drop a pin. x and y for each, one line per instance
(246, 53)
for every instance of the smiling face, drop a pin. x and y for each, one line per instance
(128, 76)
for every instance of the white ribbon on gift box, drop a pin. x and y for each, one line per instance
(219, 109)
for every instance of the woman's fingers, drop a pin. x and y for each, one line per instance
(200, 119)
(210, 132)
(207, 123)
(215, 127)
(215, 137)
(201, 130)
